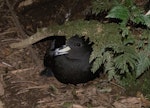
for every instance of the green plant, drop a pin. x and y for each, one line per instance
(125, 57)
(118, 60)
(126, 12)
(99, 6)
(144, 55)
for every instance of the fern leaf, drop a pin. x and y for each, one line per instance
(143, 63)
(99, 6)
(137, 17)
(147, 20)
(112, 74)
(126, 60)
(121, 63)
(120, 12)
(109, 65)
(97, 63)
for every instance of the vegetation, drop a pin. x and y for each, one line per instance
(128, 59)
(123, 53)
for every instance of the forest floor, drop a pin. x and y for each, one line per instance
(21, 86)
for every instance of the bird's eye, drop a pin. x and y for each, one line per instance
(78, 44)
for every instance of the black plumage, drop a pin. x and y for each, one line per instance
(70, 62)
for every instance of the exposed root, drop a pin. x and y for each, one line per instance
(22, 33)
(32, 39)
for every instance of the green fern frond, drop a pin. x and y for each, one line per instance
(138, 17)
(143, 61)
(127, 60)
(111, 36)
(121, 12)
(97, 63)
(127, 3)
(121, 64)
(147, 20)
(99, 6)
(109, 65)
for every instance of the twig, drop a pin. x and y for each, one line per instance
(25, 3)
(7, 32)
(14, 82)
(117, 85)
(1, 4)
(6, 64)
(33, 87)
(10, 39)
(21, 91)
(16, 21)
(113, 84)
(2, 85)
(22, 33)
(37, 87)
(21, 70)
(30, 88)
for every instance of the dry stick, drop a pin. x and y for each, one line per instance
(22, 33)
(37, 87)
(32, 39)
(7, 32)
(31, 82)
(21, 70)
(25, 3)
(16, 21)
(113, 84)
(33, 87)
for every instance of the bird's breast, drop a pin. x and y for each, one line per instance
(71, 70)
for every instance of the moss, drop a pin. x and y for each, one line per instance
(100, 34)
(145, 88)
(134, 85)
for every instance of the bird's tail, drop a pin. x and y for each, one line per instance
(47, 72)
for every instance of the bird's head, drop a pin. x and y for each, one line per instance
(75, 47)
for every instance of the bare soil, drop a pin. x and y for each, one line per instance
(21, 86)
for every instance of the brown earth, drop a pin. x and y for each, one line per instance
(21, 86)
